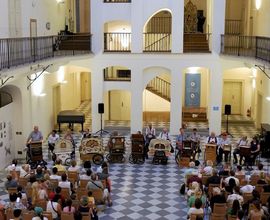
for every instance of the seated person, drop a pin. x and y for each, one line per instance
(52, 139)
(54, 175)
(95, 184)
(225, 170)
(197, 210)
(13, 166)
(232, 176)
(10, 183)
(59, 166)
(14, 203)
(38, 214)
(220, 150)
(192, 188)
(194, 178)
(255, 150)
(74, 167)
(64, 183)
(235, 196)
(87, 134)
(150, 133)
(195, 138)
(256, 213)
(197, 195)
(258, 171)
(214, 179)
(208, 169)
(181, 137)
(242, 142)
(247, 188)
(239, 171)
(25, 171)
(217, 197)
(164, 135)
(69, 208)
(235, 208)
(53, 207)
(87, 175)
(212, 139)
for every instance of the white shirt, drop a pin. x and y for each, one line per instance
(65, 184)
(85, 177)
(51, 209)
(164, 136)
(74, 169)
(195, 211)
(55, 177)
(232, 197)
(228, 179)
(247, 189)
(52, 139)
(38, 218)
(208, 170)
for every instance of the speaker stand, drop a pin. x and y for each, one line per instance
(101, 131)
(227, 126)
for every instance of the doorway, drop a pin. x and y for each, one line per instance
(33, 27)
(56, 102)
(232, 95)
(85, 86)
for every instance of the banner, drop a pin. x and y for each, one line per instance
(193, 90)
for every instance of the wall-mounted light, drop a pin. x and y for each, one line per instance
(254, 83)
(258, 4)
(60, 1)
(42, 94)
(268, 98)
(193, 69)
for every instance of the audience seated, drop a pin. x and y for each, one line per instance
(232, 176)
(69, 208)
(25, 171)
(53, 207)
(214, 179)
(217, 197)
(235, 196)
(39, 214)
(54, 175)
(59, 166)
(74, 167)
(197, 195)
(239, 171)
(87, 175)
(197, 209)
(64, 183)
(236, 207)
(10, 183)
(208, 169)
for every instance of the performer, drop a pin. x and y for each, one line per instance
(53, 137)
(222, 142)
(68, 136)
(180, 138)
(164, 135)
(255, 150)
(150, 133)
(212, 139)
(195, 138)
(242, 142)
(34, 136)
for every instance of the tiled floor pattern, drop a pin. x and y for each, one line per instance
(144, 191)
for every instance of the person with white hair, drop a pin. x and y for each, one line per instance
(217, 197)
(208, 169)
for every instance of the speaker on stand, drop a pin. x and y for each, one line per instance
(227, 113)
(101, 112)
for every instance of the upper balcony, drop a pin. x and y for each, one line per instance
(18, 51)
(117, 1)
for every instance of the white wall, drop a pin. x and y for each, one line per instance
(4, 25)
(44, 11)
(7, 135)
(154, 103)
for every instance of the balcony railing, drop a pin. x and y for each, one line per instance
(233, 27)
(251, 46)
(116, 1)
(157, 42)
(117, 75)
(117, 42)
(18, 51)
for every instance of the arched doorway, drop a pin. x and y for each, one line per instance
(157, 32)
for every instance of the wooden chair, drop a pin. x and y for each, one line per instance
(83, 183)
(98, 195)
(81, 192)
(12, 190)
(28, 215)
(9, 213)
(243, 182)
(54, 182)
(73, 175)
(23, 182)
(194, 216)
(28, 191)
(264, 197)
(48, 215)
(65, 192)
(232, 217)
(215, 216)
(85, 215)
(59, 173)
(220, 208)
(247, 197)
(254, 179)
(67, 216)
(42, 203)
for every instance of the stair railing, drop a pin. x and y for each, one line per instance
(157, 42)
(160, 87)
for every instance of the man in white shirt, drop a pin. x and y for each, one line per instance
(53, 137)
(242, 142)
(54, 176)
(221, 143)
(232, 173)
(235, 195)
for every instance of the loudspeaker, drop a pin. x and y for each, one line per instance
(100, 108)
(227, 109)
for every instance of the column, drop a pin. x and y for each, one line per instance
(137, 26)
(218, 24)
(177, 26)
(215, 102)
(136, 100)
(97, 97)
(176, 101)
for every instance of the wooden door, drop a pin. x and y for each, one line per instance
(85, 86)
(119, 105)
(232, 95)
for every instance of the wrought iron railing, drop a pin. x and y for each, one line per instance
(233, 27)
(18, 51)
(117, 42)
(159, 25)
(157, 42)
(160, 87)
(251, 46)
(116, 1)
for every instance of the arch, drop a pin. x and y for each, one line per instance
(119, 26)
(5, 99)
(154, 14)
(150, 73)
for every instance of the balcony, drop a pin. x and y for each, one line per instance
(248, 46)
(117, 42)
(116, 1)
(117, 74)
(19, 51)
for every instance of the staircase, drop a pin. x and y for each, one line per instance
(76, 41)
(160, 87)
(196, 43)
(157, 42)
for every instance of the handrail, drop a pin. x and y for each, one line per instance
(160, 87)
(18, 51)
(250, 46)
(116, 1)
(157, 43)
(117, 42)
(233, 26)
